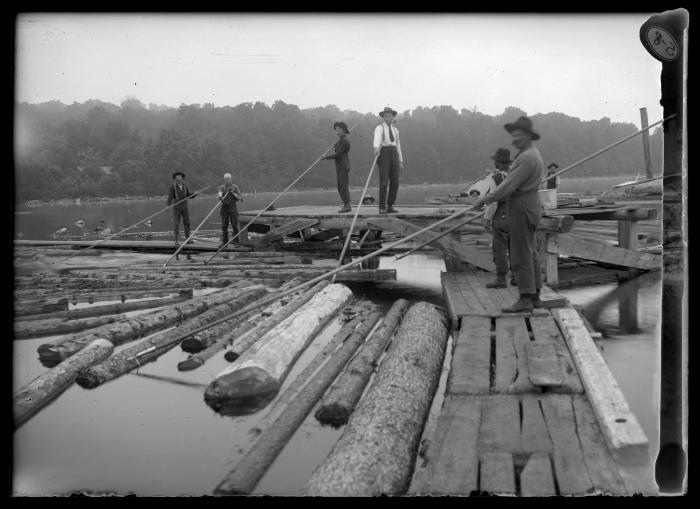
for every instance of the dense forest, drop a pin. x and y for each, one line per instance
(101, 149)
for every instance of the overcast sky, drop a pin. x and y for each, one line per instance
(582, 65)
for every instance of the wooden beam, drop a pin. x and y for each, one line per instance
(628, 234)
(284, 230)
(449, 246)
(569, 244)
(620, 427)
(620, 214)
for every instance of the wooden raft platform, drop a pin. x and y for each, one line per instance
(530, 408)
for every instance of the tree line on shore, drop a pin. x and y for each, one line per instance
(100, 149)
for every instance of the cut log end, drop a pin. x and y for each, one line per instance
(241, 392)
(231, 356)
(333, 414)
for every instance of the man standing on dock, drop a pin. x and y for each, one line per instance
(387, 146)
(520, 188)
(342, 164)
(496, 221)
(180, 191)
(229, 194)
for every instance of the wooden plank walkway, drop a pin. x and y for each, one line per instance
(515, 418)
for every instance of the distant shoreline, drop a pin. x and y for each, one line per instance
(115, 199)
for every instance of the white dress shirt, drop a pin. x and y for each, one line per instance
(383, 139)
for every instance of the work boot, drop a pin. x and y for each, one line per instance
(524, 305)
(499, 282)
(536, 302)
(392, 210)
(344, 209)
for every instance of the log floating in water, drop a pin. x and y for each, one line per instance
(42, 390)
(339, 402)
(125, 295)
(376, 452)
(255, 378)
(240, 347)
(248, 472)
(109, 309)
(155, 346)
(56, 326)
(35, 307)
(207, 338)
(120, 332)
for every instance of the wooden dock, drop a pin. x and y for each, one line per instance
(530, 408)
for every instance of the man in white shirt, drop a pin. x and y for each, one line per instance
(387, 147)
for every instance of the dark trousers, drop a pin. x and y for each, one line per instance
(499, 242)
(524, 213)
(388, 163)
(343, 185)
(183, 213)
(229, 214)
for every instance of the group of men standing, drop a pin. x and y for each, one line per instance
(513, 213)
(229, 194)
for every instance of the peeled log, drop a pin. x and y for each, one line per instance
(155, 346)
(56, 326)
(249, 340)
(376, 452)
(108, 309)
(257, 375)
(248, 472)
(120, 332)
(42, 390)
(339, 402)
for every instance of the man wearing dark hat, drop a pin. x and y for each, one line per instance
(387, 146)
(342, 164)
(520, 188)
(496, 221)
(180, 191)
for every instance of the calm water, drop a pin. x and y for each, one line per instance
(151, 436)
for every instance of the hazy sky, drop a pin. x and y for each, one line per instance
(582, 65)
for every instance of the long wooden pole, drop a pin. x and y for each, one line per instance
(262, 211)
(357, 211)
(441, 235)
(132, 226)
(467, 186)
(181, 247)
(268, 300)
(568, 168)
(645, 144)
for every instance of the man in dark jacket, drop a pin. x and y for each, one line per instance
(520, 188)
(180, 191)
(342, 164)
(496, 221)
(229, 194)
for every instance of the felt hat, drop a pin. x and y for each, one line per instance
(523, 124)
(343, 125)
(387, 110)
(502, 156)
(178, 173)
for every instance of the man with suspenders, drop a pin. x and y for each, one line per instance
(387, 146)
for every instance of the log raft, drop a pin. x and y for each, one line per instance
(377, 450)
(256, 377)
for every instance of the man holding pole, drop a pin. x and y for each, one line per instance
(229, 194)
(180, 191)
(342, 164)
(496, 221)
(520, 188)
(387, 148)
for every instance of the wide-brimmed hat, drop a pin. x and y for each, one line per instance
(178, 173)
(343, 125)
(524, 124)
(387, 110)
(502, 156)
